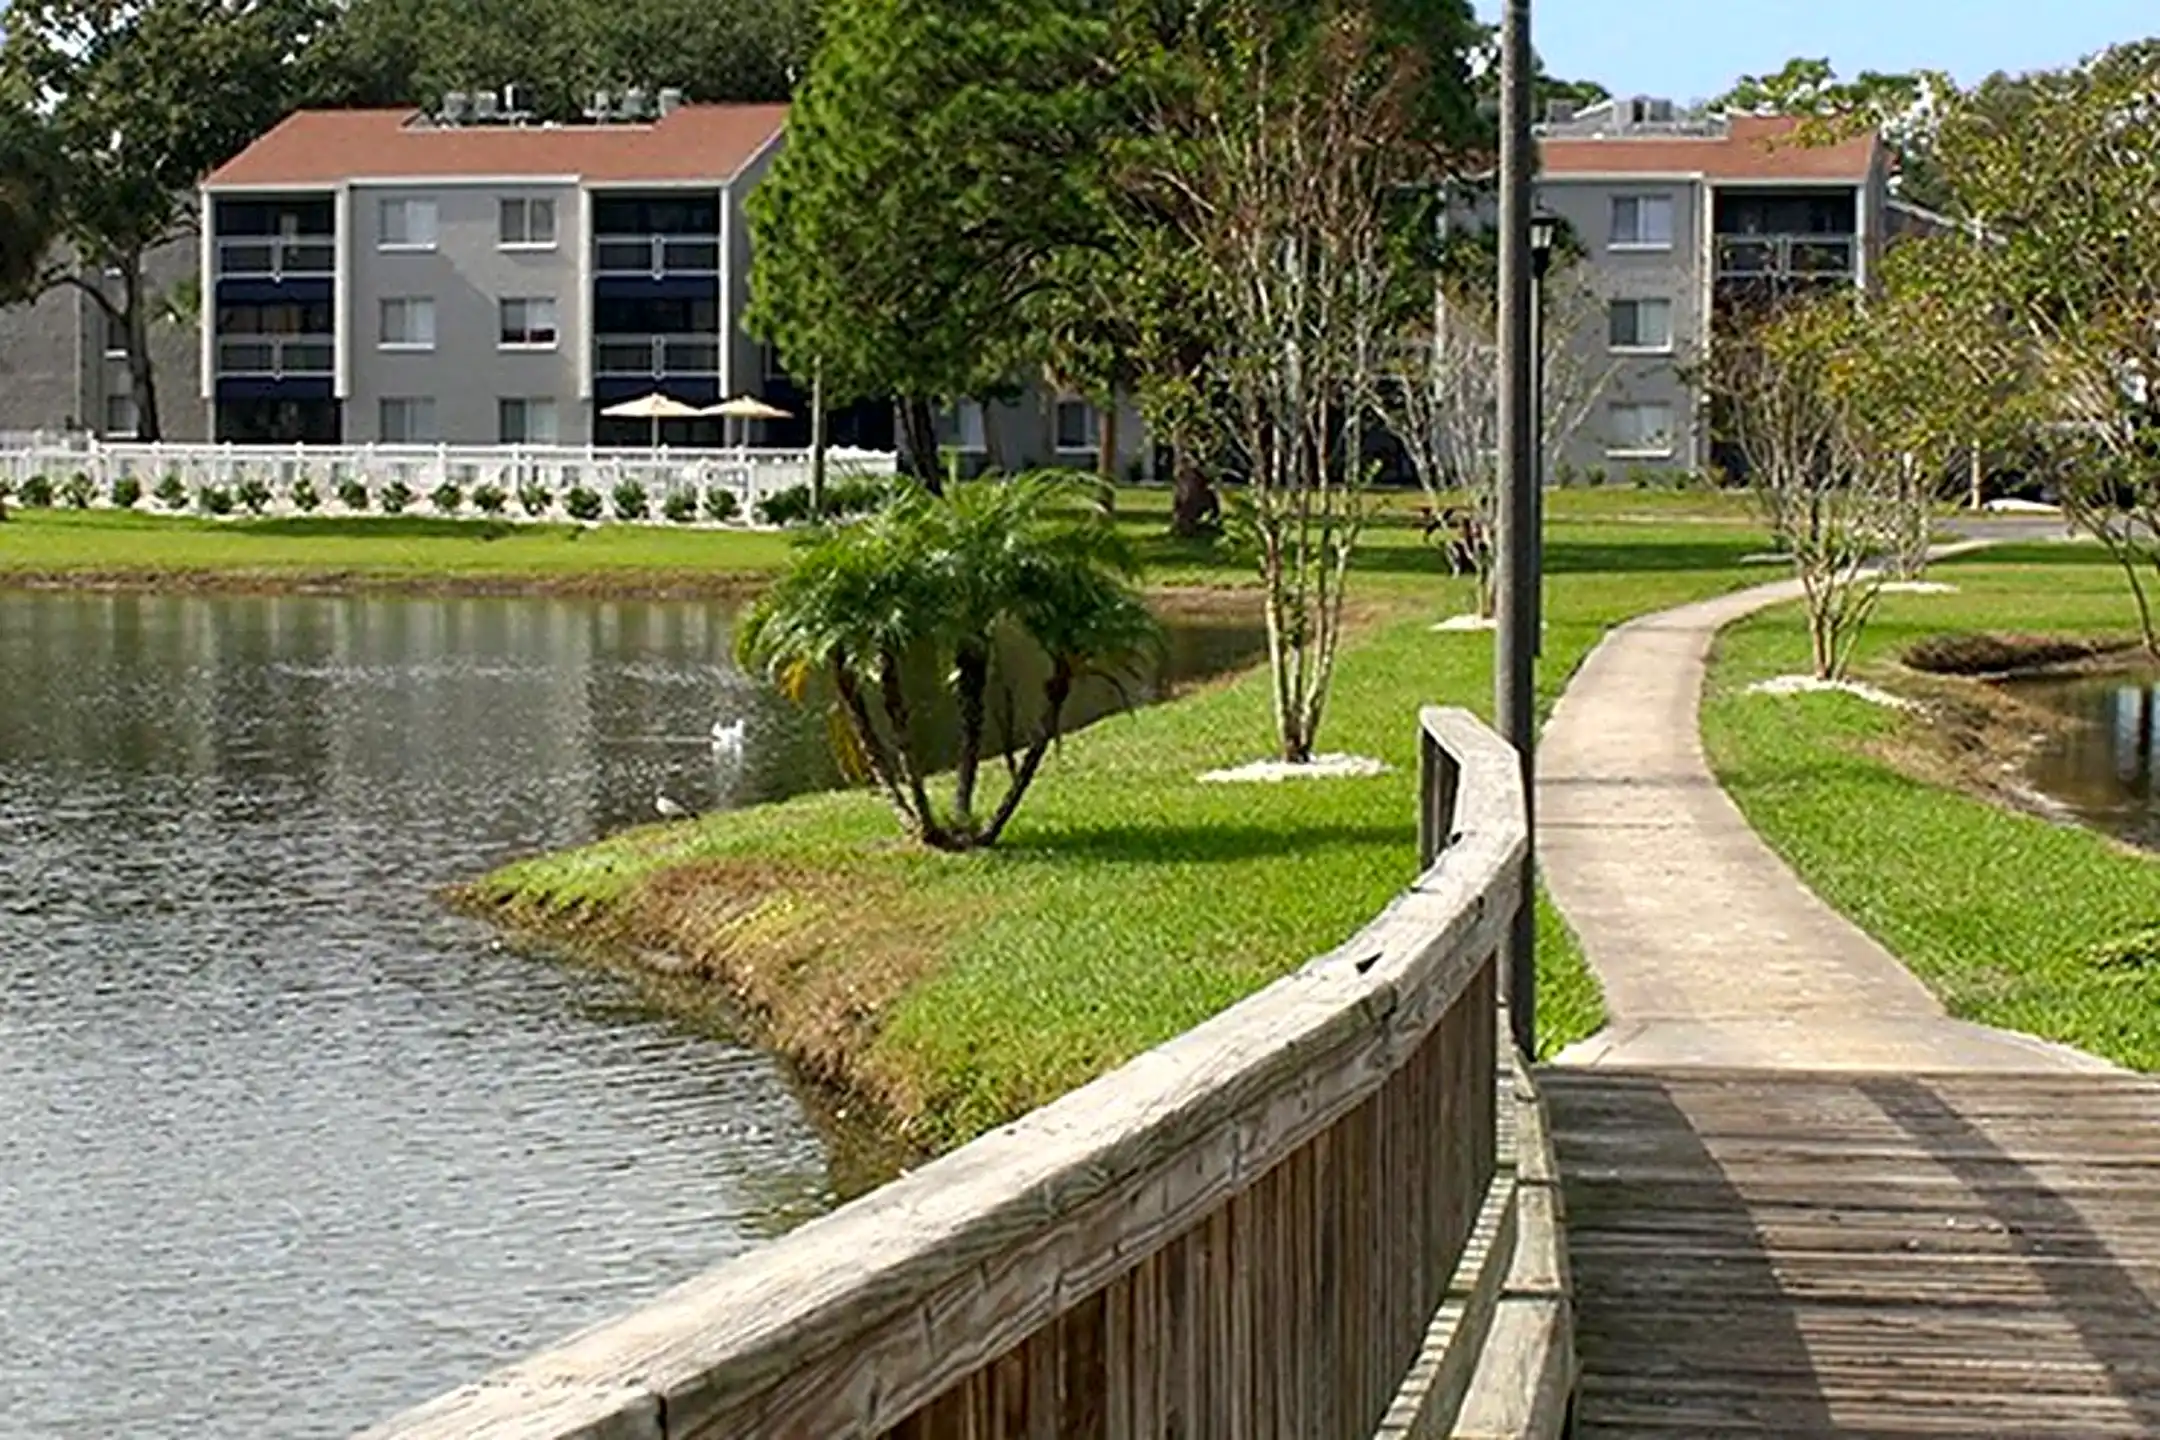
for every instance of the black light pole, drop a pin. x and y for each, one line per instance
(1544, 231)
(1515, 646)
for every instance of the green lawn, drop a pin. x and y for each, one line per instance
(1130, 901)
(2004, 915)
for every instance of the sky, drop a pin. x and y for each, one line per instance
(1692, 49)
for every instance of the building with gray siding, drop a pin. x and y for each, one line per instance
(1682, 216)
(62, 369)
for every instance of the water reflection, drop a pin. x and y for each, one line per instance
(283, 1145)
(2103, 768)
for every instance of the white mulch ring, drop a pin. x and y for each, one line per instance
(1460, 623)
(1320, 767)
(1918, 587)
(1766, 557)
(2020, 507)
(1809, 685)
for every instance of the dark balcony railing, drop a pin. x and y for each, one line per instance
(656, 255)
(276, 357)
(1775, 257)
(277, 256)
(656, 355)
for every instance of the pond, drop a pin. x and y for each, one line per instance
(285, 1146)
(2102, 768)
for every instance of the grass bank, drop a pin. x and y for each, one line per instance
(1130, 901)
(2008, 917)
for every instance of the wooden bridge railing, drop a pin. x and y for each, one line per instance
(1293, 1220)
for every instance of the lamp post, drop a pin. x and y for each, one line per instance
(1544, 231)
(1515, 645)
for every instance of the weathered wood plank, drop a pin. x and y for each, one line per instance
(1818, 1254)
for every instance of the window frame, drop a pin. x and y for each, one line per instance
(383, 412)
(1638, 346)
(503, 340)
(1620, 450)
(383, 340)
(407, 244)
(525, 409)
(1639, 198)
(1091, 426)
(133, 428)
(525, 205)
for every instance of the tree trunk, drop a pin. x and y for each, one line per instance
(1106, 454)
(142, 381)
(971, 666)
(1055, 692)
(1194, 508)
(918, 442)
(905, 759)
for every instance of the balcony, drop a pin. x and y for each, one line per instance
(276, 357)
(652, 356)
(275, 257)
(654, 256)
(1786, 257)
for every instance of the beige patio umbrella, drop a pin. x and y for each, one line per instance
(746, 407)
(654, 407)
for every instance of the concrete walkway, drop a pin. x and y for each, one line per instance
(1710, 950)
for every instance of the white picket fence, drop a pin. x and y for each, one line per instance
(537, 481)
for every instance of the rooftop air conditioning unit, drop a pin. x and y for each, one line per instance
(1661, 112)
(456, 108)
(1559, 112)
(600, 109)
(486, 107)
(671, 99)
(633, 104)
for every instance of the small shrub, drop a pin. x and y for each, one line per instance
(536, 498)
(395, 497)
(214, 500)
(1595, 475)
(721, 504)
(1565, 475)
(305, 497)
(681, 506)
(855, 496)
(255, 495)
(126, 492)
(352, 493)
(78, 491)
(37, 492)
(172, 492)
(630, 501)
(490, 499)
(583, 504)
(447, 497)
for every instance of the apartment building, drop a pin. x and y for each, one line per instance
(1682, 214)
(63, 366)
(467, 277)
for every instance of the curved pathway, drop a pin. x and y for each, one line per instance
(1710, 950)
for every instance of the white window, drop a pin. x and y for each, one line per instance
(1642, 222)
(1640, 325)
(116, 336)
(408, 323)
(528, 324)
(967, 426)
(1640, 428)
(120, 416)
(409, 420)
(528, 422)
(408, 224)
(1076, 430)
(528, 223)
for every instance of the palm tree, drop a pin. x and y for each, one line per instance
(936, 583)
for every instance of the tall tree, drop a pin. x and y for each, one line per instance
(1904, 107)
(941, 155)
(26, 183)
(2055, 176)
(136, 100)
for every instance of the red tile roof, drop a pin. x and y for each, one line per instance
(313, 148)
(1757, 148)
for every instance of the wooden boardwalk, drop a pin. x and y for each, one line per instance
(1795, 1254)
